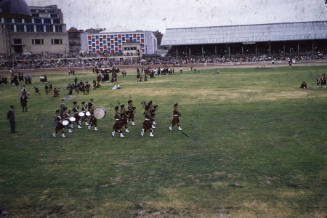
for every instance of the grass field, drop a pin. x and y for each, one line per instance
(256, 148)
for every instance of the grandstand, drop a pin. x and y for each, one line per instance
(282, 39)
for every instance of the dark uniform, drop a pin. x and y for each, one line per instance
(11, 118)
(23, 102)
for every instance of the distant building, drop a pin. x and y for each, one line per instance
(74, 36)
(128, 43)
(43, 32)
(282, 39)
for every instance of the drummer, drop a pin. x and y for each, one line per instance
(93, 120)
(59, 126)
(84, 109)
(75, 111)
(66, 116)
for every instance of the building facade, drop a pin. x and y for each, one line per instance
(275, 38)
(117, 42)
(74, 36)
(44, 32)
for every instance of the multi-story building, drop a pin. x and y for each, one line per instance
(74, 36)
(44, 32)
(124, 43)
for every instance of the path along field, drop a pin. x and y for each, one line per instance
(256, 148)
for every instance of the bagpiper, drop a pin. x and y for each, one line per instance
(147, 124)
(131, 112)
(59, 126)
(175, 121)
(123, 118)
(117, 126)
(76, 111)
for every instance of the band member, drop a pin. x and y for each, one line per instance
(153, 109)
(84, 109)
(87, 88)
(90, 105)
(175, 121)
(131, 112)
(93, 120)
(117, 126)
(66, 116)
(23, 102)
(123, 118)
(75, 111)
(147, 124)
(37, 91)
(62, 106)
(46, 88)
(11, 118)
(56, 92)
(59, 126)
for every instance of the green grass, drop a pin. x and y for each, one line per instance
(257, 148)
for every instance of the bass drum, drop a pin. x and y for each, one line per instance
(72, 119)
(65, 123)
(100, 113)
(81, 114)
(88, 114)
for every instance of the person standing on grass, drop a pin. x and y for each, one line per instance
(23, 102)
(11, 118)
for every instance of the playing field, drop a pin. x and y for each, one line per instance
(254, 146)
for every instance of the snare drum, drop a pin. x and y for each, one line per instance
(81, 114)
(65, 123)
(88, 114)
(100, 113)
(72, 119)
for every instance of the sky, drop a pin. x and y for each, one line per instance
(128, 15)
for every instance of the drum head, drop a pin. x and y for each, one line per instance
(72, 119)
(65, 123)
(81, 114)
(99, 113)
(88, 114)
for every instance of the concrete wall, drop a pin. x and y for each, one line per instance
(3, 41)
(47, 47)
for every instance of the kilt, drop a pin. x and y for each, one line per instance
(123, 121)
(131, 116)
(117, 125)
(175, 121)
(147, 124)
(59, 126)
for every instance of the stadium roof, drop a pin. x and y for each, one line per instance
(246, 33)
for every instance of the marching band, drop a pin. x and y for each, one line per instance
(89, 115)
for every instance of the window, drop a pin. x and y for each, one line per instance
(30, 28)
(39, 28)
(17, 41)
(28, 20)
(37, 41)
(20, 28)
(8, 20)
(56, 41)
(11, 27)
(47, 20)
(58, 28)
(18, 20)
(49, 28)
(56, 21)
(37, 20)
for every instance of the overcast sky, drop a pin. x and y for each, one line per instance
(125, 15)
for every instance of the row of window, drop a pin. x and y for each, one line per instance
(38, 28)
(29, 20)
(41, 41)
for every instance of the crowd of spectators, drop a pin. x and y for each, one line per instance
(91, 60)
